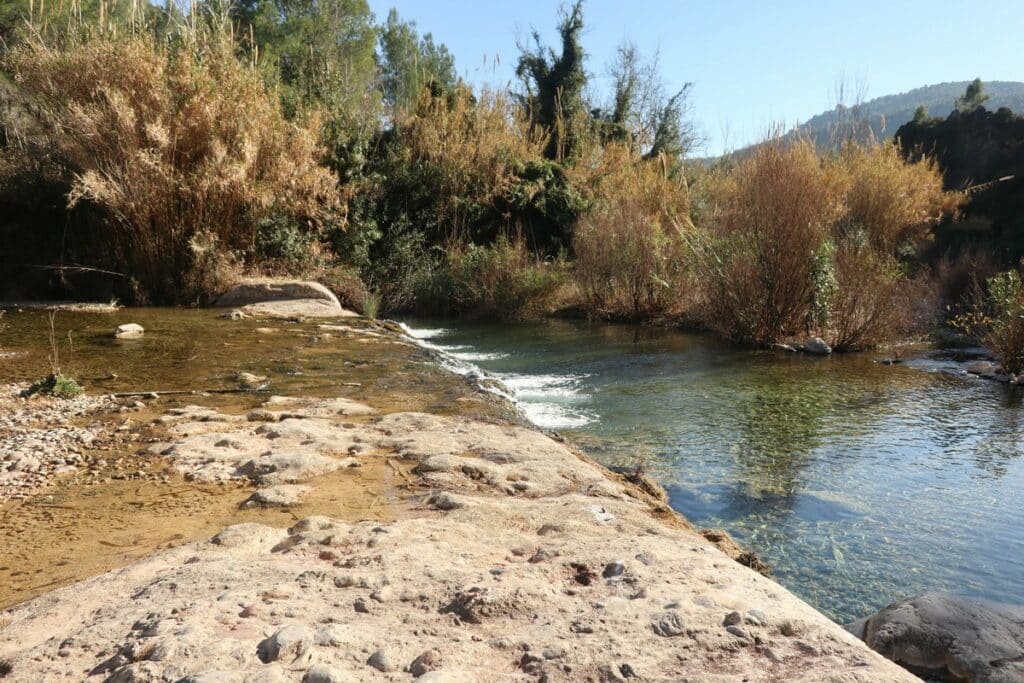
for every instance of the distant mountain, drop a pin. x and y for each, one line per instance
(886, 114)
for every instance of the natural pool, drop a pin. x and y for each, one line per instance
(861, 483)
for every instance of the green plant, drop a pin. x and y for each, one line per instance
(997, 319)
(370, 305)
(56, 383)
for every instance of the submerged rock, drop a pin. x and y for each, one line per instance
(949, 637)
(129, 330)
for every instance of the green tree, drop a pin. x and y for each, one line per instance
(974, 97)
(554, 84)
(410, 62)
(921, 114)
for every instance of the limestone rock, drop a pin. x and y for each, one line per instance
(281, 495)
(129, 330)
(949, 637)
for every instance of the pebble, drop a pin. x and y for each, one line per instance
(756, 617)
(428, 661)
(668, 624)
(613, 569)
(382, 661)
(324, 674)
(287, 643)
(732, 618)
(738, 631)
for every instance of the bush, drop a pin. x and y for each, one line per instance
(501, 281)
(997, 319)
(170, 141)
(631, 260)
(895, 202)
(767, 219)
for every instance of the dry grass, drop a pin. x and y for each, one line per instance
(177, 144)
(767, 217)
(631, 260)
(893, 201)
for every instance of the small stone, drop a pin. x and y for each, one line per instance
(738, 631)
(627, 670)
(383, 594)
(668, 624)
(361, 605)
(289, 642)
(613, 569)
(554, 651)
(324, 674)
(428, 661)
(732, 618)
(756, 617)
(249, 611)
(382, 661)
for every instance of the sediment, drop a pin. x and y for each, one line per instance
(516, 558)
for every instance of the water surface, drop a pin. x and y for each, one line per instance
(861, 483)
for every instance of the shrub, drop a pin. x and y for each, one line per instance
(499, 281)
(767, 219)
(865, 308)
(631, 260)
(997, 319)
(170, 141)
(895, 202)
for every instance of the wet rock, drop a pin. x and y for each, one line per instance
(383, 661)
(129, 330)
(426, 662)
(981, 367)
(235, 315)
(949, 637)
(286, 644)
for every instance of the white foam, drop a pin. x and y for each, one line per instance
(546, 400)
(474, 356)
(427, 333)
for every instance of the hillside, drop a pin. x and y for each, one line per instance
(886, 114)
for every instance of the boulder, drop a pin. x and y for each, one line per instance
(283, 299)
(816, 345)
(949, 638)
(129, 330)
(258, 291)
(982, 367)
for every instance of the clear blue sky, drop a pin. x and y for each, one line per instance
(753, 63)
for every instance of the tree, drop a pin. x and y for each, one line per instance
(554, 84)
(974, 97)
(320, 51)
(410, 63)
(920, 114)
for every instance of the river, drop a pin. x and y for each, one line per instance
(859, 482)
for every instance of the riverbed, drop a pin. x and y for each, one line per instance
(860, 482)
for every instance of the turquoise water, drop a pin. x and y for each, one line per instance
(859, 482)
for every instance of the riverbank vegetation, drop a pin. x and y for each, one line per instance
(155, 154)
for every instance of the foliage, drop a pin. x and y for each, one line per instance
(974, 97)
(631, 261)
(411, 63)
(499, 281)
(893, 201)
(554, 84)
(57, 386)
(170, 142)
(768, 218)
(997, 319)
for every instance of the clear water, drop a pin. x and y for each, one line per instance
(860, 483)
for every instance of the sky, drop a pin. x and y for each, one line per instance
(754, 65)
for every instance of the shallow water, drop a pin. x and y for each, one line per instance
(860, 483)
(87, 523)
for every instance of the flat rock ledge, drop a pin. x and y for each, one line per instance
(527, 562)
(283, 299)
